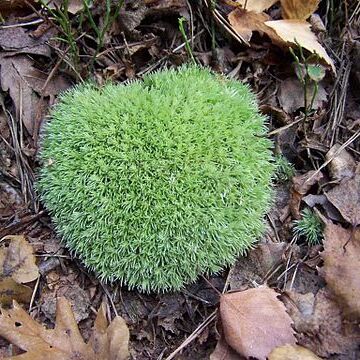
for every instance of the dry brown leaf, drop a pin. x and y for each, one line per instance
(246, 22)
(257, 5)
(255, 266)
(17, 265)
(299, 32)
(22, 80)
(291, 95)
(17, 259)
(341, 257)
(65, 341)
(342, 165)
(77, 296)
(18, 41)
(74, 6)
(255, 322)
(298, 9)
(300, 187)
(292, 352)
(318, 323)
(10, 290)
(223, 351)
(346, 198)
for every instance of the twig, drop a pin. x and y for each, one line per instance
(34, 22)
(336, 153)
(194, 334)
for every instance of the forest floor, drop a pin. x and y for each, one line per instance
(313, 107)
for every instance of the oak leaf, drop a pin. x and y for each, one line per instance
(255, 321)
(64, 342)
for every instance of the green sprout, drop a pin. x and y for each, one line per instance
(158, 181)
(310, 227)
(284, 169)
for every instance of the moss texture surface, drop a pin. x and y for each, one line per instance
(155, 182)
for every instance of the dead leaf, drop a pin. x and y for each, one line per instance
(78, 298)
(169, 309)
(17, 259)
(12, 80)
(342, 165)
(246, 22)
(18, 41)
(255, 266)
(291, 95)
(300, 187)
(21, 79)
(74, 6)
(298, 9)
(65, 341)
(346, 198)
(223, 351)
(255, 322)
(292, 352)
(321, 200)
(110, 342)
(341, 257)
(17, 265)
(10, 290)
(319, 325)
(299, 32)
(257, 5)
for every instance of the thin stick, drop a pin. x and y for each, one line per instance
(336, 153)
(34, 293)
(194, 334)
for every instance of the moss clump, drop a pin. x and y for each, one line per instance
(155, 182)
(310, 227)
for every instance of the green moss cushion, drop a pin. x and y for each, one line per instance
(155, 182)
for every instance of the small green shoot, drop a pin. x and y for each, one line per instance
(309, 227)
(284, 169)
(309, 75)
(187, 43)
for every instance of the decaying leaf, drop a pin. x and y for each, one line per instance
(291, 95)
(223, 351)
(318, 323)
(341, 257)
(65, 341)
(298, 9)
(255, 266)
(300, 187)
(255, 321)
(257, 5)
(18, 41)
(77, 296)
(298, 32)
(292, 352)
(246, 22)
(73, 6)
(17, 265)
(22, 80)
(17, 259)
(10, 290)
(346, 198)
(342, 164)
